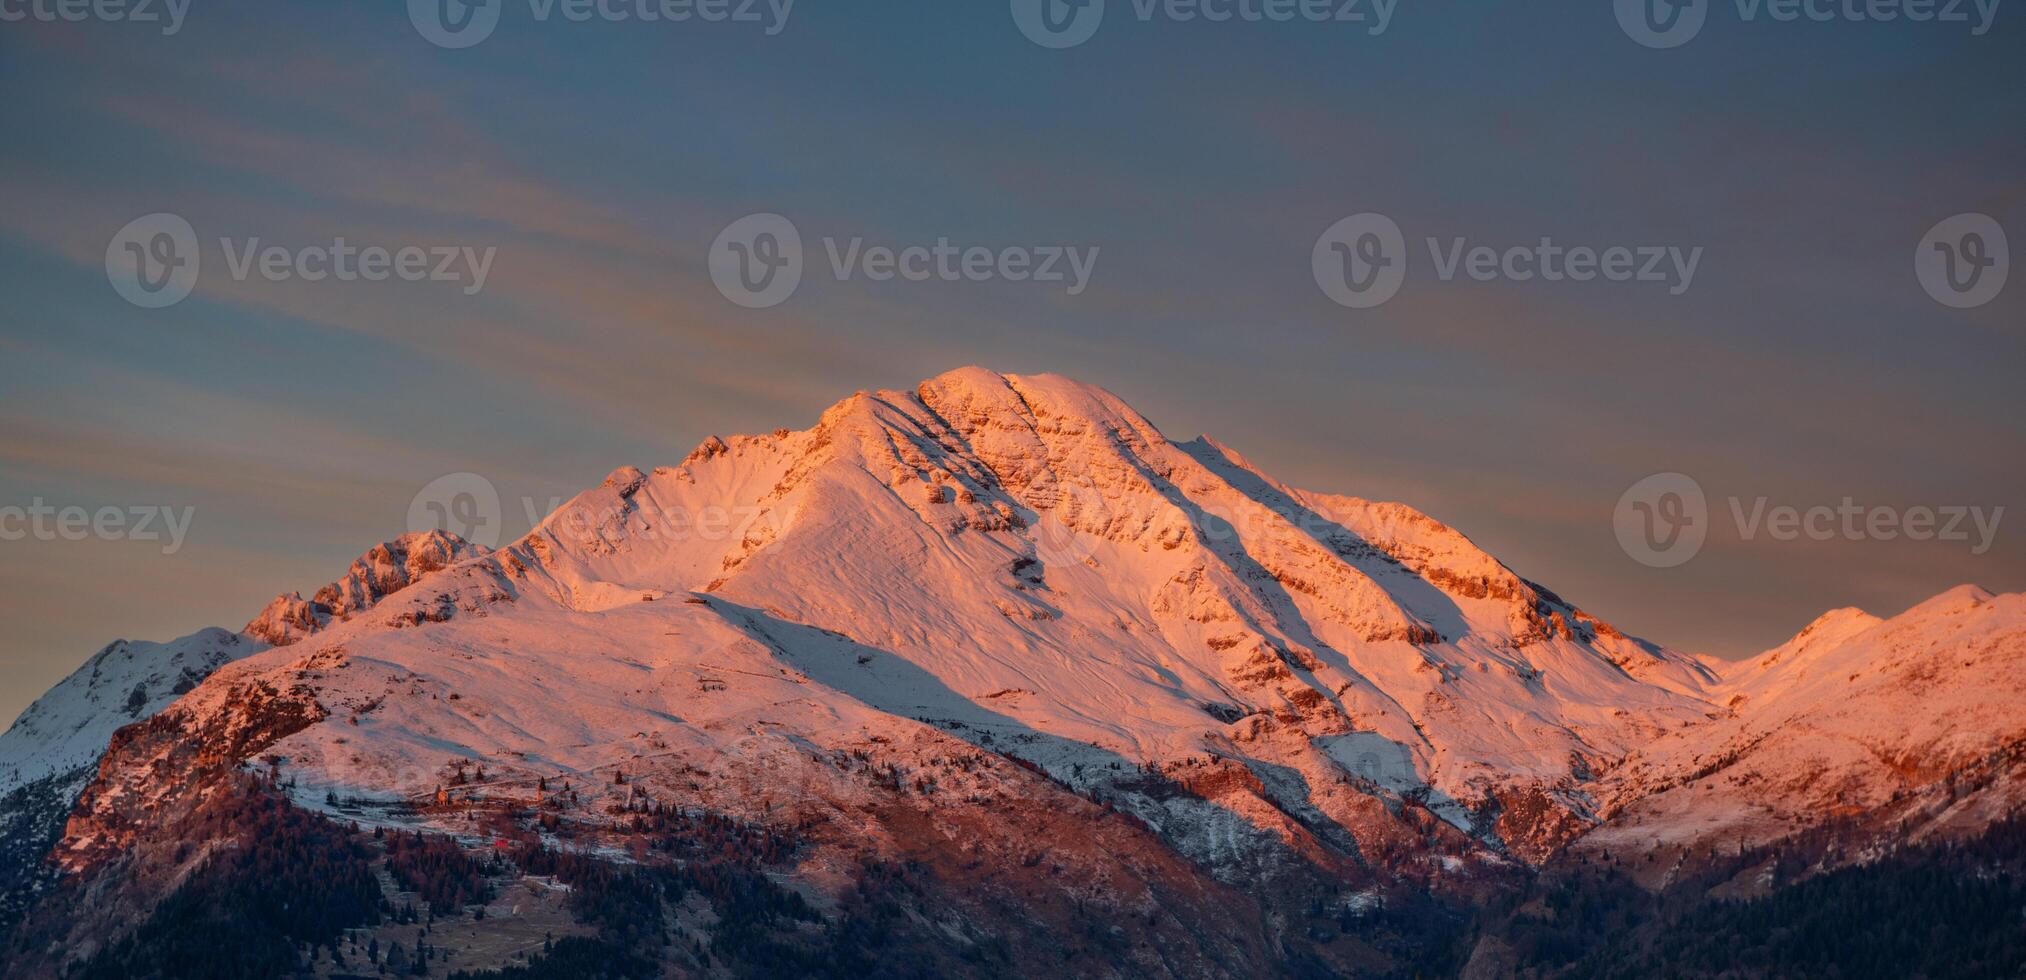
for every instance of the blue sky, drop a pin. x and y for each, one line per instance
(1805, 364)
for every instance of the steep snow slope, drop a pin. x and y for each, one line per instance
(1025, 563)
(1917, 720)
(49, 754)
(67, 728)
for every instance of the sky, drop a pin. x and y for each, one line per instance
(1196, 166)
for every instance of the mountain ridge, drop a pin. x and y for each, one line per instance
(1023, 572)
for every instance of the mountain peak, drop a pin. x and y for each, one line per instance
(1855, 713)
(1961, 598)
(972, 376)
(1831, 627)
(1783, 666)
(869, 618)
(1035, 399)
(127, 680)
(383, 570)
(988, 532)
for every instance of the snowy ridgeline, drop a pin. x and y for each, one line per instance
(1025, 567)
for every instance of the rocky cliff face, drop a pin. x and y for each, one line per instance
(386, 569)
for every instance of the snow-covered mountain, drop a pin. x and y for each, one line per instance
(1915, 723)
(50, 752)
(1022, 559)
(1005, 594)
(67, 728)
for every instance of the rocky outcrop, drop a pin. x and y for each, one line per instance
(380, 572)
